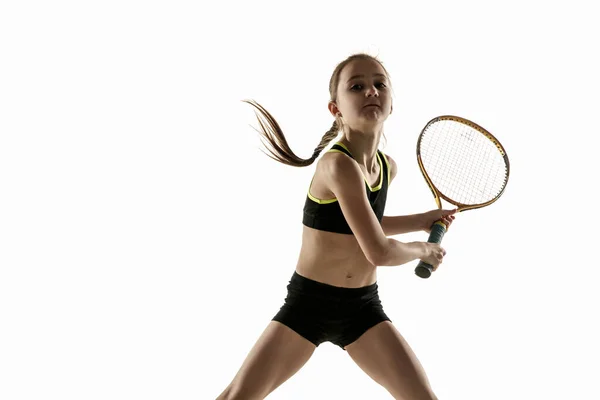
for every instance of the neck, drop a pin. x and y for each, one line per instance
(363, 146)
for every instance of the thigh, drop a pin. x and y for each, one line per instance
(386, 357)
(277, 355)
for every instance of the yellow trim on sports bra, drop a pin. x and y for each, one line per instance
(376, 188)
(319, 201)
(389, 174)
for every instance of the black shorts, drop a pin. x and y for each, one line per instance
(324, 313)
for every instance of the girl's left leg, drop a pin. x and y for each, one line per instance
(386, 357)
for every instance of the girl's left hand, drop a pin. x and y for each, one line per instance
(430, 217)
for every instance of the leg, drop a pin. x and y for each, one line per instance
(386, 357)
(277, 355)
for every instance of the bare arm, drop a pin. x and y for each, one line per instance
(400, 253)
(398, 225)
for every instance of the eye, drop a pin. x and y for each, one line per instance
(380, 85)
(357, 87)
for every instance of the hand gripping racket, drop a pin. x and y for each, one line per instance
(463, 164)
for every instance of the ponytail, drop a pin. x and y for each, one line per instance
(277, 146)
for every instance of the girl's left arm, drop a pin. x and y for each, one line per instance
(400, 224)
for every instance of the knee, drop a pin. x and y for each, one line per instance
(429, 396)
(240, 392)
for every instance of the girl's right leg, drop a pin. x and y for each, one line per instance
(277, 355)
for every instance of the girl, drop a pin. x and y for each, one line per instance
(332, 295)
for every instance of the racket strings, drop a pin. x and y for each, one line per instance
(462, 163)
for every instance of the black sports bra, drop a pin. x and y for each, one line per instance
(326, 215)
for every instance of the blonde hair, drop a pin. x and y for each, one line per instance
(277, 145)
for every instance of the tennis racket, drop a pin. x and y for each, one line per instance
(463, 164)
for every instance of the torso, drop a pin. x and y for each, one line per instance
(334, 258)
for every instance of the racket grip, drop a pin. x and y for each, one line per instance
(438, 230)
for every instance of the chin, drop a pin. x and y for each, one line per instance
(374, 113)
(374, 118)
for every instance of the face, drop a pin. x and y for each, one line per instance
(364, 98)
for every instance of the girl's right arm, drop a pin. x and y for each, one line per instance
(346, 181)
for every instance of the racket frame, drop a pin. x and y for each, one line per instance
(437, 194)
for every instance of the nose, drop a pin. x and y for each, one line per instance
(372, 92)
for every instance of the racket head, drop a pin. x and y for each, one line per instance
(462, 162)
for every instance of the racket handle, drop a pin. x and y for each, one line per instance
(438, 230)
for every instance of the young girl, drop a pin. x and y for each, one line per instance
(332, 295)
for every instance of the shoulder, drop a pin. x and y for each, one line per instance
(332, 170)
(393, 166)
(338, 166)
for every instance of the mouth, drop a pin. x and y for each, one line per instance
(372, 105)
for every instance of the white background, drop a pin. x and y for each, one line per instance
(145, 241)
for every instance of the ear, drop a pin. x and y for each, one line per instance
(391, 108)
(333, 109)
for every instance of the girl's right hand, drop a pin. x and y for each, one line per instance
(434, 254)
